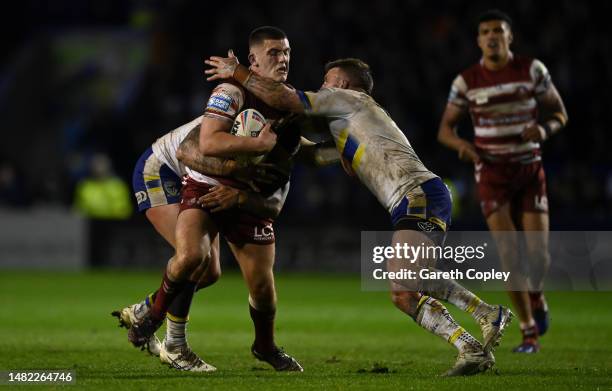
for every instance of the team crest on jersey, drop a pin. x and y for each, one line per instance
(481, 98)
(426, 226)
(141, 196)
(171, 188)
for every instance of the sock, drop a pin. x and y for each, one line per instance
(165, 295)
(450, 291)
(264, 329)
(176, 333)
(434, 317)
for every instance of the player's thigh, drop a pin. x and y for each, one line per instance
(195, 232)
(408, 241)
(256, 262)
(163, 218)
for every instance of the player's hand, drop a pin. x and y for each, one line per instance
(221, 67)
(220, 198)
(267, 139)
(468, 153)
(534, 132)
(263, 173)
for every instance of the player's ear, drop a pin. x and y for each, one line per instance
(344, 83)
(252, 59)
(510, 37)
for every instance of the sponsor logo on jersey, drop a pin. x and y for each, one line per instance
(171, 188)
(141, 196)
(541, 203)
(426, 226)
(264, 233)
(220, 102)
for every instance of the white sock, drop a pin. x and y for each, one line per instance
(175, 333)
(450, 291)
(434, 317)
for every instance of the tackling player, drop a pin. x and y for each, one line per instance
(514, 107)
(377, 152)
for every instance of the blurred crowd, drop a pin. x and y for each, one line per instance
(85, 79)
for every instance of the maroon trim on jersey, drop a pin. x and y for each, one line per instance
(515, 157)
(217, 113)
(515, 139)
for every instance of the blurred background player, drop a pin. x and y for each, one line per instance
(376, 151)
(157, 186)
(514, 107)
(251, 238)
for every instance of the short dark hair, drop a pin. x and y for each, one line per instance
(494, 14)
(357, 70)
(262, 33)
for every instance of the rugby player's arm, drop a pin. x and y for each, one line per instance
(552, 111)
(318, 154)
(223, 197)
(447, 133)
(189, 154)
(263, 207)
(273, 93)
(215, 139)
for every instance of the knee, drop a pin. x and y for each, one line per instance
(186, 262)
(263, 293)
(406, 301)
(210, 276)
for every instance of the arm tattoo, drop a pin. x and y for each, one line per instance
(275, 94)
(189, 154)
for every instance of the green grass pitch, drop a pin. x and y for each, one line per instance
(339, 334)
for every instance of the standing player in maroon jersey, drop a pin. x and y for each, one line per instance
(514, 107)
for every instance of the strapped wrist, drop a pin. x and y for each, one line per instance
(242, 74)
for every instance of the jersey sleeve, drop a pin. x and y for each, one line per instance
(458, 91)
(326, 101)
(540, 77)
(225, 102)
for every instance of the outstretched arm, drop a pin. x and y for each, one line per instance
(318, 154)
(274, 94)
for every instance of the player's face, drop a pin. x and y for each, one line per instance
(335, 78)
(494, 39)
(271, 59)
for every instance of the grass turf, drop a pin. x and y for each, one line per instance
(343, 337)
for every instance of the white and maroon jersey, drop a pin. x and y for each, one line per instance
(225, 102)
(367, 137)
(502, 103)
(166, 146)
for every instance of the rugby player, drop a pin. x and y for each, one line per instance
(157, 184)
(376, 151)
(514, 107)
(250, 238)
